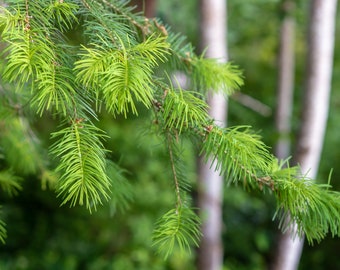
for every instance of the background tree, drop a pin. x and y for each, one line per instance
(316, 100)
(284, 110)
(286, 71)
(213, 29)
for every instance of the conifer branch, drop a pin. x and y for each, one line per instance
(101, 22)
(63, 13)
(82, 164)
(208, 74)
(117, 66)
(32, 56)
(177, 228)
(122, 75)
(239, 154)
(243, 156)
(183, 110)
(313, 207)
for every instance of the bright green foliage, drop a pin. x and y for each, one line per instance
(244, 158)
(222, 77)
(35, 57)
(182, 109)
(122, 76)
(177, 227)
(239, 153)
(82, 166)
(119, 65)
(62, 13)
(309, 204)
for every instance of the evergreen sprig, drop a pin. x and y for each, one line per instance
(239, 153)
(242, 156)
(183, 110)
(313, 207)
(62, 14)
(102, 27)
(82, 164)
(178, 227)
(135, 21)
(210, 74)
(122, 75)
(34, 56)
(55, 90)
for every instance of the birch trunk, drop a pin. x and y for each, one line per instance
(285, 90)
(213, 37)
(283, 117)
(315, 106)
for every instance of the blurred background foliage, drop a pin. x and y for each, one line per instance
(43, 235)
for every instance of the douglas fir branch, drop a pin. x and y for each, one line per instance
(72, 61)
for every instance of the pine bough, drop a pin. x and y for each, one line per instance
(120, 60)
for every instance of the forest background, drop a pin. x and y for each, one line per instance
(54, 237)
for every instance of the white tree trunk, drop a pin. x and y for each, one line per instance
(284, 109)
(213, 37)
(285, 81)
(318, 85)
(316, 103)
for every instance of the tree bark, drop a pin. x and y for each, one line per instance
(283, 256)
(213, 38)
(315, 106)
(285, 90)
(318, 85)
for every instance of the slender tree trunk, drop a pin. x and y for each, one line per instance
(285, 81)
(318, 85)
(213, 37)
(283, 257)
(316, 102)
